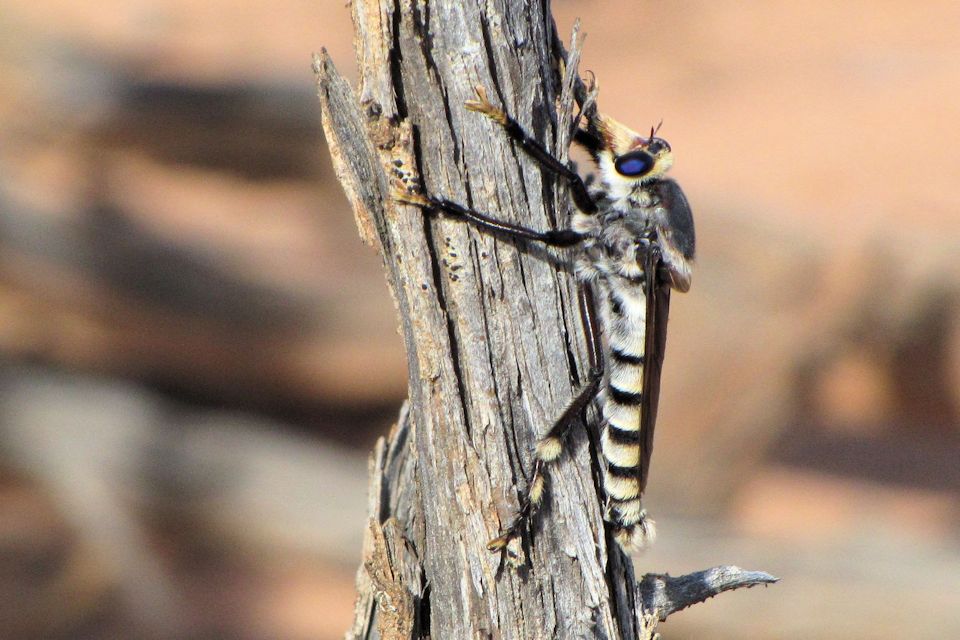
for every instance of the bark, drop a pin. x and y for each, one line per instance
(493, 336)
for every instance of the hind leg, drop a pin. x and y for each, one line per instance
(551, 446)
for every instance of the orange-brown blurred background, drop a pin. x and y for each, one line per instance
(196, 350)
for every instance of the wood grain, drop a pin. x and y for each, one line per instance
(491, 329)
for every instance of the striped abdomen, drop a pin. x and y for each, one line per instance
(621, 404)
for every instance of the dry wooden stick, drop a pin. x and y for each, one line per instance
(491, 330)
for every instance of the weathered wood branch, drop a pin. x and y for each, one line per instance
(491, 328)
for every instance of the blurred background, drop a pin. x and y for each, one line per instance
(197, 352)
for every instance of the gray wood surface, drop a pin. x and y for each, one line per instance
(491, 328)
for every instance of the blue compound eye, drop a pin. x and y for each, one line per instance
(634, 164)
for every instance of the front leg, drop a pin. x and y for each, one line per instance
(578, 189)
(553, 238)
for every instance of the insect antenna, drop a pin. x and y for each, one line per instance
(654, 130)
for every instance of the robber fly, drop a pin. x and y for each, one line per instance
(634, 237)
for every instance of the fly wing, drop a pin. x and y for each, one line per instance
(679, 232)
(667, 262)
(658, 308)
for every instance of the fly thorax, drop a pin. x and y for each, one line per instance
(622, 240)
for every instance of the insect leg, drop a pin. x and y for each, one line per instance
(578, 189)
(553, 238)
(551, 446)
